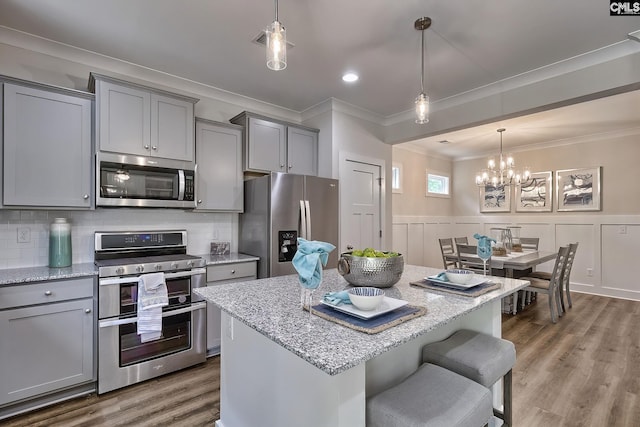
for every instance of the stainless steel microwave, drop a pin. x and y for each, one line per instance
(136, 181)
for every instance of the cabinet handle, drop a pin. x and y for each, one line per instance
(47, 293)
(281, 165)
(85, 196)
(290, 166)
(199, 201)
(233, 272)
(87, 310)
(154, 147)
(146, 147)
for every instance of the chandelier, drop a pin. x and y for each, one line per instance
(503, 172)
(276, 44)
(422, 101)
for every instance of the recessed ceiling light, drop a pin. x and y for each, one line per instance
(350, 77)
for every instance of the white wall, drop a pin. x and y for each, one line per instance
(608, 239)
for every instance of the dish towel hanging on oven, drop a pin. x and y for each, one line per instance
(152, 296)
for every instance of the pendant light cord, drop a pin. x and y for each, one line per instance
(276, 2)
(422, 65)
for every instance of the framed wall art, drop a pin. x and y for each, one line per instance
(536, 194)
(579, 189)
(495, 198)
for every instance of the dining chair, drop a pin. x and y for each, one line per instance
(469, 260)
(553, 285)
(566, 276)
(530, 243)
(446, 248)
(461, 241)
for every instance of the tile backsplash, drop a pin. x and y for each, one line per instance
(24, 235)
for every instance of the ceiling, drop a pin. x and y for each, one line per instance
(470, 44)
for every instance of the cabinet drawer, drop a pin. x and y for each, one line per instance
(232, 271)
(45, 292)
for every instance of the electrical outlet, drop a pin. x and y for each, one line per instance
(589, 272)
(24, 235)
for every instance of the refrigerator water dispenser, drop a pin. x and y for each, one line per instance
(287, 244)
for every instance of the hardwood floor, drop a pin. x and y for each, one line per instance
(584, 371)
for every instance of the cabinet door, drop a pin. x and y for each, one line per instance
(45, 348)
(266, 148)
(47, 148)
(219, 167)
(124, 116)
(171, 128)
(302, 151)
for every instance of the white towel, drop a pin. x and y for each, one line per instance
(152, 296)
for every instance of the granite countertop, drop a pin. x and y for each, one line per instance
(15, 276)
(272, 307)
(229, 258)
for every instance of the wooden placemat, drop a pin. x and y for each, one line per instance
(475, 291)
(369, 326)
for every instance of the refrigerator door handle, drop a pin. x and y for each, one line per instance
(306, 205)
(303, 220)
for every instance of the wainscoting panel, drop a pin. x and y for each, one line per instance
(620, 249)
(609, 244)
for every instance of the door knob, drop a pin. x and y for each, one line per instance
(146, 146)
(87, 310)
(154, 147)
(86, 196)
(47, 293)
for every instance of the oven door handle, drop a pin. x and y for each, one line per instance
(116, 322)
(176, 275)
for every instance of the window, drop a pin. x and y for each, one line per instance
(438, 184)
(396, 178)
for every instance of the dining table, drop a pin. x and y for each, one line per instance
(515, 261)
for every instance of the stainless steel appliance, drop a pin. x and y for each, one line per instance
(279, 208)
(121, 258)
(125, 180)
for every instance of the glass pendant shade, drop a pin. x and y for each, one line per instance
(276, 46)
(422, 109)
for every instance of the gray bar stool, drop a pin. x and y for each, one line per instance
(480, 357)
(431, 397)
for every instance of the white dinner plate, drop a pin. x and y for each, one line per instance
(388, 304)
(475, 281)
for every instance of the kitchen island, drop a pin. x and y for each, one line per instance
(280, 367)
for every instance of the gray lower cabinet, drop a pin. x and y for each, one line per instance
(216, 275)
(47, 338)
(47, 148)
(219, 185)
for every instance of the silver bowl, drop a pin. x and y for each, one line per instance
(369, 271)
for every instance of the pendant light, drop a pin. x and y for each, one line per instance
(422, 101)
(276, 44)
(503, 172)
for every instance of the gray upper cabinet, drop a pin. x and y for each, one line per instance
(219, 183)
(134, 119)
(275, 146)
(302, 151)
(47, 147)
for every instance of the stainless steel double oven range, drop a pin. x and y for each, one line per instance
(121, 258)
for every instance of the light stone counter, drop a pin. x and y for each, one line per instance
(278, 368)
(272, 308)
(26, 275)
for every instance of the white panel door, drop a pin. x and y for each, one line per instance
(360, 201)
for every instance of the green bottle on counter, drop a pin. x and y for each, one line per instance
(60, 243)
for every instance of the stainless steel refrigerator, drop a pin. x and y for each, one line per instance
(279, 208)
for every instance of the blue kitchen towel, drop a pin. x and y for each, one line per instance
(309, 259)
(337, 298)
(484, 245)
(440, 276)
